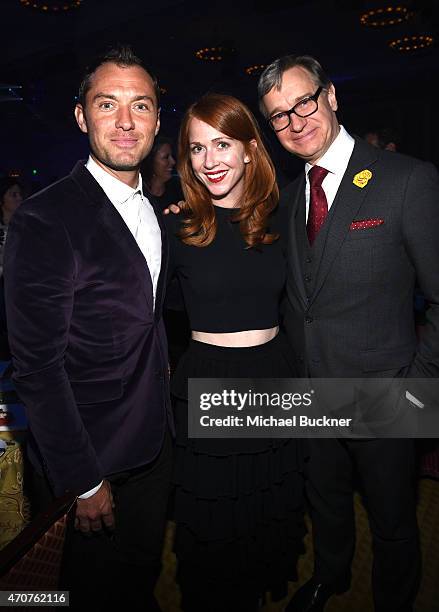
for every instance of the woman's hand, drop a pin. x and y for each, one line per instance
(174, 208)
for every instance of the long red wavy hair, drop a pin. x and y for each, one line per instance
(231, 117)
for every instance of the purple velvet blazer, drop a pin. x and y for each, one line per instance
(89, 351)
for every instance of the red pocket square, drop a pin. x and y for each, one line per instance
(366, 224)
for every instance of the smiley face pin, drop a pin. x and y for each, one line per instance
(362, 178)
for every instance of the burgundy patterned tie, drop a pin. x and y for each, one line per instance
(318, 205)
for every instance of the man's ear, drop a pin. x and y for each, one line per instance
(157, 127)
(332, 99)
(80, 118)
(247, 158)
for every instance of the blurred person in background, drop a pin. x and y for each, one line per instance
(157, 172)
(164, 189)
(383, 138)
(11, 196)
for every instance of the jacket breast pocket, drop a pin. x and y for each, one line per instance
(380, 232)
(96, 391)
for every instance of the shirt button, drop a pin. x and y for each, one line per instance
(308, 259)
(308, 278)
(309, 319)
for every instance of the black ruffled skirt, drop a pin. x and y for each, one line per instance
(238, 503)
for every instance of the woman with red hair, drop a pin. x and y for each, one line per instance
(238, 502)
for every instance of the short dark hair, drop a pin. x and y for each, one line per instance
(121, 55)
(272, 75)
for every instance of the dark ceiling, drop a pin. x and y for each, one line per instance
(44, 54)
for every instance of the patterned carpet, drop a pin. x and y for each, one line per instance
(358, 599)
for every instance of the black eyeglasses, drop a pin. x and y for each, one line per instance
(304, 108)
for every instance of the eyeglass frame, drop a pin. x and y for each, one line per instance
(292, 110)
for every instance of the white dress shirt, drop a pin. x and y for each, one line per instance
(139, 216)
(335, 160)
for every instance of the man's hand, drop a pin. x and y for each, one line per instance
(96, 512)
(174, 208)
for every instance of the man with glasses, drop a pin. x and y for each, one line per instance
(363, 227)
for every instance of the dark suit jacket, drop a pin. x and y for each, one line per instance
(89, 351)
(359, 319)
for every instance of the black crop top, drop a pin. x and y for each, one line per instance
(228, 287)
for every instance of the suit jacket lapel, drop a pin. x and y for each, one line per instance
(161, 285)
(115, 227)
(346, 205)
(295, 194)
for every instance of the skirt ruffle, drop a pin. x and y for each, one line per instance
(238, 503)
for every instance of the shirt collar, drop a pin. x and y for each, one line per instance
(336, 158)
(116, 191)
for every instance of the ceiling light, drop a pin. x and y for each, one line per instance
(213, 54)
(255, 70)
(52, 6)
(386, 16)
(410, 44)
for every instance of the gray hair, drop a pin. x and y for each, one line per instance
(272, 75)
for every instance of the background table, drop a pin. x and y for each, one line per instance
(14, 512)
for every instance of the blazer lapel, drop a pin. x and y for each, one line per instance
(161, 285)
(296, 195)
(346, 205)
(115, 227)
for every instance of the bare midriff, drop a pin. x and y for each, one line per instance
(252, 337)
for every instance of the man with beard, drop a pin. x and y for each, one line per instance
(84, 268)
